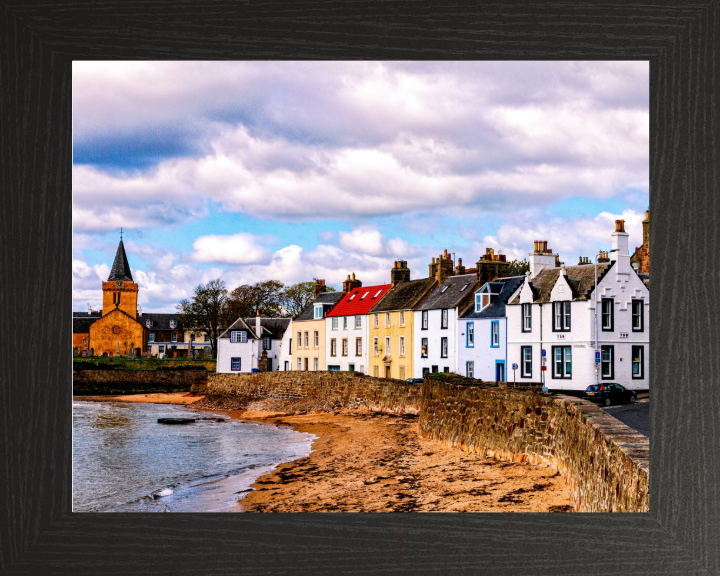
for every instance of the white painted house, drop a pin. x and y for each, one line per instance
(435, 326)
(241, 346)
(554, 310)
(482, 327)
(346, 329)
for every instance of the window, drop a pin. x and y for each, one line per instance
(161, 349)
(235, 364)
(316, 335)
(470, 335)
(307, 341)
(638, 315)
(318, 311)
(358, 322)
(561, 316)
(495, 334)
(148, 323)
(527, 317)
(306, 364)
(289, 345)
(173, 337)
(344, 322)
(192, 337)
(402, 345)
(358, 346)
(377, 321)
(478, 302)
(151, 337)
(608, 320)
(424, 319)
(402, 372)
(387, 319)
(463, 288)
(425, 371)
(299, 363)
(344, 346)
(446, 369)
(299, 340)
(444, 322)
(424, 348)
(375, 346)
(402, 318)
(333, 347)
(376, 371)
(443, 347)
(434, 369)
(607, 362)
(173, 324)
(353, 296)
(316, 364)
(266, 343)
(526, 361)
(335, 323)
(444, 288)
(377, 293)
(366, 293)
(387, 346)
(470, 369)
(206, 338)
(638, 353)
(562, 361)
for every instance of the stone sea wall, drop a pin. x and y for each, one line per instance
(604, 462)
(86, 382)
(315, 391)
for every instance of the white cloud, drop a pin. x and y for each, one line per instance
(239, 248)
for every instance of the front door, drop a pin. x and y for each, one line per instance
(387, 371)
(287, 366)
(351, 367)
(499, 371)
(269, 365)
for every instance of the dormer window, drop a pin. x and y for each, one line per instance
(318, 311)
(173, 324)
(148, 323)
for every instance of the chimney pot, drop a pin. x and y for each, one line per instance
(545, 248)
(619, 225)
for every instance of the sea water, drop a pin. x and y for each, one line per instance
(124, 461)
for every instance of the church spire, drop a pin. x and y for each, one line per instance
(120, 268)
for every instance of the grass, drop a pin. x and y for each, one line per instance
(120, 363)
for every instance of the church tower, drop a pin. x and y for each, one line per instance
(120, 292)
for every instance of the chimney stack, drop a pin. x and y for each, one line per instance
(351, 284)
(319, 288)
(257, 323)
(459, 269)
(491, 266)
(441, 268)
(620, 247)
(399, 273)
(540, 259)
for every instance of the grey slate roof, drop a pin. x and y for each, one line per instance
(404, 296)
(160, 321)
(120, 268)
(327, 299)
(94, 314)
(82, 325)
(496, 309)
(239, 324)
(450, 293)
(580, 278)
(271, 327)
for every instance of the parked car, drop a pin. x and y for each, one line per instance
(609, 393)
(417, 380)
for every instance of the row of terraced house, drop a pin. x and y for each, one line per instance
(479, 322)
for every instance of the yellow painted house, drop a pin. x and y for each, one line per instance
(391, 325)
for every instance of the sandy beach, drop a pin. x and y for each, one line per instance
(158, 398)
(371, 462)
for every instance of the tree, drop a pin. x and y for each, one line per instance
(205, 310)
(518, 267)
(263, 297)
(299, 295)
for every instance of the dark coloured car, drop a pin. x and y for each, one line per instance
(417, 380)
(609, 393)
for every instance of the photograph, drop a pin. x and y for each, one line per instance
(361, 286)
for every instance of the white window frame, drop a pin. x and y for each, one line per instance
(470, 369)
(316, 364)
(333, 346)
(266, 343)
(299, 341)
(344, 322)
(443, 347)
(375, 346)
(470, 339)
(377, 320)
(387, 345)
(316, 339)
(358, 346)
(318, 312)
(444, 319)
(424, 321)
(524, 361)
(402, 345)
(307, 340)
(527, 317)
(495, 336)
(358, 322)
(151, 337)
(344, 346)
(173, 337)
(299, 364)
(387, 319)
(402, 317)
(335, 323)
(239, 364)
(424, 342)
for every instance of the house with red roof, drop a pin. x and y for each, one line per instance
(347, 326)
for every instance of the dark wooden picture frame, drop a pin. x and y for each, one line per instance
(38, 532)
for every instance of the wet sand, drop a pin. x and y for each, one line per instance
(366, 461)
(158, 398)
(371, 462)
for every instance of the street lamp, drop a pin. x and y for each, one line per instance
(597, 347)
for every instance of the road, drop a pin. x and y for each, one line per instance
(636, 415)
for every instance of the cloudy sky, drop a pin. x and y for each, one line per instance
(294, 170)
